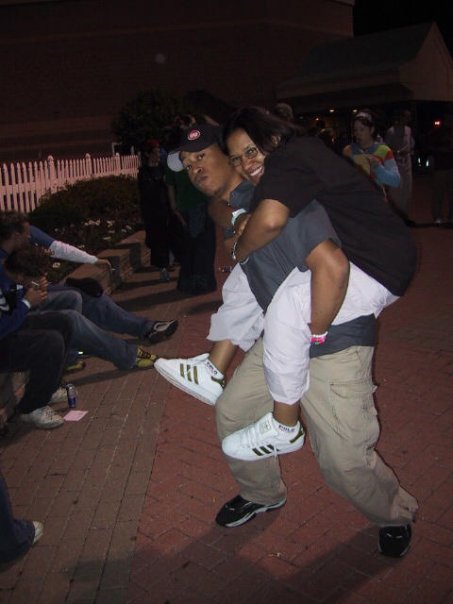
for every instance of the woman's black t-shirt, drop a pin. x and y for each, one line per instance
(372, 236)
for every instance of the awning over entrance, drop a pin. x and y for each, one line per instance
(405, 64)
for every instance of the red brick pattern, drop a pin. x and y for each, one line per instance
(129, 495)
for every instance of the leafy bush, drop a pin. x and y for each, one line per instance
(92, 215)
(148, 115)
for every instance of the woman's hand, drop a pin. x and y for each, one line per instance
(240, 224)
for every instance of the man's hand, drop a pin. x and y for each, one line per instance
(38, 283)
(35, 295)
(104, 263)
(240, 224)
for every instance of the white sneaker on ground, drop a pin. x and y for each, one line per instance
(192, 376)
(44, 418)
(59, 396)
(39, 531)
(264, 438)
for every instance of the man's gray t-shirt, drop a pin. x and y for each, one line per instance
(268, 267)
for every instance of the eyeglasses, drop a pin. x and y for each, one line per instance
(249, 153)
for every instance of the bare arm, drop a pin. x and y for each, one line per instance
(172, 200)
(329, 283)
(220, 212)
(263, 226)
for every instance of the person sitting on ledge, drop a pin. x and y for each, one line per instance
(16, 231)
(23, 289)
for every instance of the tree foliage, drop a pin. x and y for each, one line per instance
(148, 115)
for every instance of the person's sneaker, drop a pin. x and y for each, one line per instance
(164, 275)
(144, 359)
(395, 541)
(44, 418)
(264, 438)
(59, 396)
(78, 365)
(238, 511)
(39, 531)
(161, 330)
(192, 376)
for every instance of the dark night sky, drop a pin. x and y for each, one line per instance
(371, 16)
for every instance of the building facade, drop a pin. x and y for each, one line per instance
(68, 66)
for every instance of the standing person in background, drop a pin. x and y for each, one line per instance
(155, 208)
(440, 145)
(399, 138)
(197, 274)
(372, 157)
(284, 112)
(16, 535)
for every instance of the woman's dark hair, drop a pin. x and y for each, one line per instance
(263, 128)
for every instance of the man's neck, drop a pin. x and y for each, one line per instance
(229, 186)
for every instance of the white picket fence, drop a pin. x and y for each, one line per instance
(22, 184)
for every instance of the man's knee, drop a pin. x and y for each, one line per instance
(63, 324)
(68, 299)
(49, 343)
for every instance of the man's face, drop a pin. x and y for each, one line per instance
(20, 240)
(210, 170)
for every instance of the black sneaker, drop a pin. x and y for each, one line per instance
(161, 330)
(238, 511)
(394, 541)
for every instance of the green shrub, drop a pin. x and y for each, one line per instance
(92, 215)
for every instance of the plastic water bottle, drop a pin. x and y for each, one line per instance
(72, 395)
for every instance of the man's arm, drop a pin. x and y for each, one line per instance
(65, 251)
(329, 282)
(263, 226)
(11, 320)
(171, 190)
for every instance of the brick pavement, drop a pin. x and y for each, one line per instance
(129, 494)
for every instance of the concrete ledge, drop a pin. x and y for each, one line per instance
(126, 257)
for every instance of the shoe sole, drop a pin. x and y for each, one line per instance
(266, 455)
(182, 386)
(251, 516)
(43, 427)
(396, 556)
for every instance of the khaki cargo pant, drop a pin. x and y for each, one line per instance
(341, 419)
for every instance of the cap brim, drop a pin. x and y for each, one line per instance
(174, 162)
(173, 158)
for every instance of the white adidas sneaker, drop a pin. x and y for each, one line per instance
(191, 376)
(262, 439)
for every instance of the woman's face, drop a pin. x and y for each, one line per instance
(364, 135)
(245, 156)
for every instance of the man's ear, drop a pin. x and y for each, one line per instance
(275, 140)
